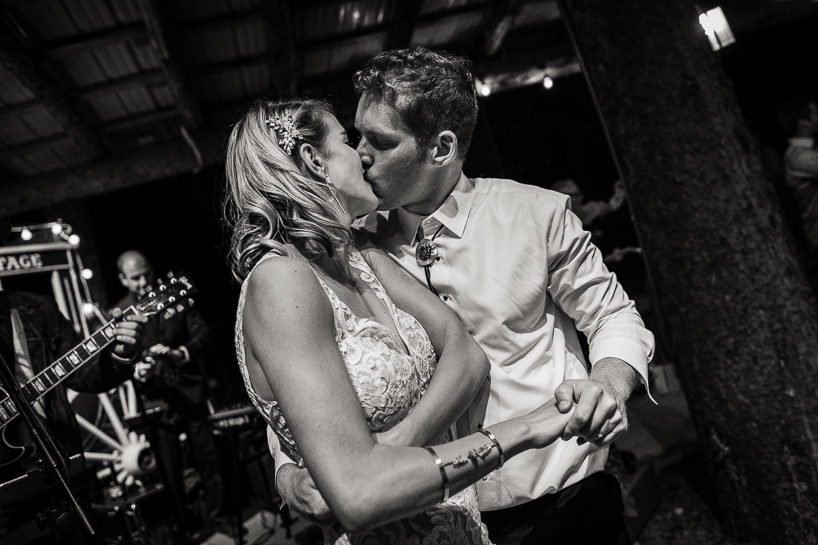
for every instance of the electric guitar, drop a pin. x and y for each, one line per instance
(169, 298)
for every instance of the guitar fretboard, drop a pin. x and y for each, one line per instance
(58, 371)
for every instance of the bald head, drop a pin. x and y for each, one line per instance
(135, 272)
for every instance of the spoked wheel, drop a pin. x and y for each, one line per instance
(124, 455)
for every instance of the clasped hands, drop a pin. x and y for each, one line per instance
(599, 418)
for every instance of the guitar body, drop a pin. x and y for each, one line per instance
(14, 442)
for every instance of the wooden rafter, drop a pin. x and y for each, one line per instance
(49, 96)
(21, 150)
(148, 164)
(135, 122)
(151, 78)
(96, 40)
(498, 25)
(158, 31)
(19, 110)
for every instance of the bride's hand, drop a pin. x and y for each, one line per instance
(547, 423)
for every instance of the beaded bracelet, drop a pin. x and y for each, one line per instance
(496, 443)
(443, 475)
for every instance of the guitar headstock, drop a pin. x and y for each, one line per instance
(170, 296)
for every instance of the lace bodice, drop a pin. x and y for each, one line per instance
(389, 380)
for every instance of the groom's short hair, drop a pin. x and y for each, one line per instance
(433, 91)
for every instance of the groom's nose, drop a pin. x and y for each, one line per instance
(363, 153)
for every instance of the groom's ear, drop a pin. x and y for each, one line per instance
(444, 148)
(312, 160)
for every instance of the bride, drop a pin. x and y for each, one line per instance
(336, 345)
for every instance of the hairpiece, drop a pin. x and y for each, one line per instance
(284, 127)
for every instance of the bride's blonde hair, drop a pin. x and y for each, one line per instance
(272, 201)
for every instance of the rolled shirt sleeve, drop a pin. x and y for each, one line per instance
(583, 287)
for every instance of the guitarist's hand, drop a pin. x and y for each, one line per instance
(176, 354)
(129, 333)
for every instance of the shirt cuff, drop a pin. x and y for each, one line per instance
(186, 353)
(627, 350)
(279, 457)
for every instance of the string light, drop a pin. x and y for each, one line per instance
(25, 234)
(547, 82)
(485, 89)
(56, 228)
(87, 274)
(74, 240)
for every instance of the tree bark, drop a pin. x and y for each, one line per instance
(741, 315)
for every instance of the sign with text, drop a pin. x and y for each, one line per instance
(27, 261)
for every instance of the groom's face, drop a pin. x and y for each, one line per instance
(394, 164)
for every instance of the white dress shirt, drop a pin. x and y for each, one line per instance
(522, 275)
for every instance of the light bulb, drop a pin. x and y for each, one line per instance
(87, 274)
(25, 234)
(547, 82)
(485, 90)
(56, 228)
(74, 240)
(88, 308)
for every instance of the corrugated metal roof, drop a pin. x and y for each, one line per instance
(103, 57)
(325, 21)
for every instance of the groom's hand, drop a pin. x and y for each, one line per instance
(297, 488)
(600, 415)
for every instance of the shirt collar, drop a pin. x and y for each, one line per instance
(453, 213)
(801, 142)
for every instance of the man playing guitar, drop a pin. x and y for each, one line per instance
(170, 374)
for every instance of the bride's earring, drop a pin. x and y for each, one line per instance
(328, 180)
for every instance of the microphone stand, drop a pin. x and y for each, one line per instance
(52, 459)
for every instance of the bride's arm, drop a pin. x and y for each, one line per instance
(289, 330)
(462, 367)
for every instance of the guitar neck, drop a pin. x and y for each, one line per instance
(51, 376)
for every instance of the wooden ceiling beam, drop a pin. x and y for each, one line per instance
(97, 40)
(150, 78)
(142, 166)
(27, 148)
(139, 121)
(158, 26)
(19, 110)
(20, 65)
(497, 26)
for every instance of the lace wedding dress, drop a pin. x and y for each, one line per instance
(388, 382)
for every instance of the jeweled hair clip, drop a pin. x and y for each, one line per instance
(284, 127)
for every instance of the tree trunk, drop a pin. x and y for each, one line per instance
(741, 316)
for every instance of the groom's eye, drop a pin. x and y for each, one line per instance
(353, 138)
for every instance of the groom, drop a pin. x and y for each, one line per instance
(516, 266)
